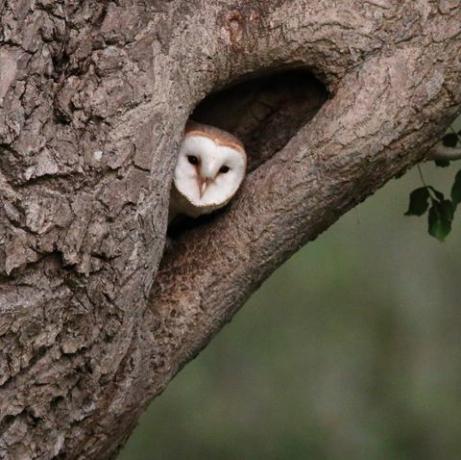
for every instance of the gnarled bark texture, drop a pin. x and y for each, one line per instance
(93, 99)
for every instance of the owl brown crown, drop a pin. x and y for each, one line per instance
(217, 135)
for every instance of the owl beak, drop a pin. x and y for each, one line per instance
(203, 183)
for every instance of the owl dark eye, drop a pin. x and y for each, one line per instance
(193, 160)
(224, 169)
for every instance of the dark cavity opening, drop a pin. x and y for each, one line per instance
(264, 112)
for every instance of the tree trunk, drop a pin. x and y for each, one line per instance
(94, 96)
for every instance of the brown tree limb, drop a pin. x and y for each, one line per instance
(329, 167)
(442, 152)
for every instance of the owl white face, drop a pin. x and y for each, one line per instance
(208, 174)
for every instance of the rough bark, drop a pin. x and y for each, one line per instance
(93, 99)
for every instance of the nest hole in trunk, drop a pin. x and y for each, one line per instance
(264, 112)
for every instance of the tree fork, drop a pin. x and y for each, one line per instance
(94, 96)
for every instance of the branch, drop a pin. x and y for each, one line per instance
(345, 154)
(442, 152)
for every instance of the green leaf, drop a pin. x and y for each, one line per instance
(442, 163)
(419, 202)
(448, 210)
(450, 140)
(456, 189)
(440, 219)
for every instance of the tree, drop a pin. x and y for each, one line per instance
(94, 322)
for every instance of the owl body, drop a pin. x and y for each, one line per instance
(211, 166)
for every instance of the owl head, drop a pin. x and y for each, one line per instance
(210, 168)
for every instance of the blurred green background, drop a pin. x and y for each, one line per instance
(351, 350)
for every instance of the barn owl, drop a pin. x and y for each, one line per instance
(210, 168)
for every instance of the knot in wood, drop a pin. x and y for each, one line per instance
(233, 24)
